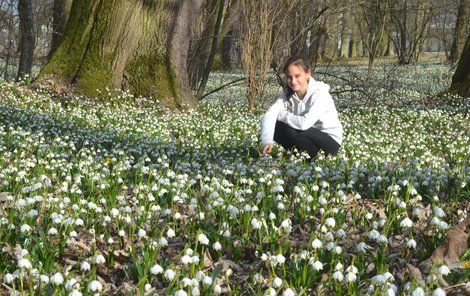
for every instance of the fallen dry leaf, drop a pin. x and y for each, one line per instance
(449, 251)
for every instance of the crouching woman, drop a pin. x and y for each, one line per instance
(304, 117)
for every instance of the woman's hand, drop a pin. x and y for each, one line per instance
(267, 148)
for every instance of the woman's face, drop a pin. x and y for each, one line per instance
(297, 79)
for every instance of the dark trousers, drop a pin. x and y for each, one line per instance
(310, 140)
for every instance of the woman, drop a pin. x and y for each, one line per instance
(304, 117)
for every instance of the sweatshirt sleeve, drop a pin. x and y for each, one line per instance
(307, 120)
(268, 121)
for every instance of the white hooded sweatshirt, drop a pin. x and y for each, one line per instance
(317, 110)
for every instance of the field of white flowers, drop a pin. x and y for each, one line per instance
(117, 196)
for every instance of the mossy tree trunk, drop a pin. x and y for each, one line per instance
(60, 16)
(461, 79)
(139, 46)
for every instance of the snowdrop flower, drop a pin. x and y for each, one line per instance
(181, 293)
(217, 246)
(277, 282)
(389, 292)
(25, 228)
(186, 260)
(438, 292)
(85, 266)
(378, 279)
(330, 222)
(57, 279)
(338, 275)
(411, 243)
(317, 265)
(350, 277)
(72, 284)
(217, 289)
(316, 243)
(352, 269)
(169, 274)
(270, 292)
(24, 263)
(170, 233)
(52, 231)
(75, 293)
(202, 238)
(280, 259)
(207, 280)
(288, 292)
(142, 233)
(418, 292)
(406, 223)
(100, 259)
(256, 224)
(156, 269)
(8, 278)
(361, 247)
(44, 279)
(443, 270)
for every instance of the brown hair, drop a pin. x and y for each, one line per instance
(297, 61)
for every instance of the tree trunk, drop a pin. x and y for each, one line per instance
(461, 79)
(60, 17)
(139, 46)
(27, 40)
(210, 60)
(461, 30)
(226, 48)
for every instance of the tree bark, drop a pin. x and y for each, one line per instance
(138, 46)
(60, 17)
(461, 79)
(27, 39)
(461, 30)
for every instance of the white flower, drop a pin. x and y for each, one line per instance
(352, 269)
(142, 233)
(217, 289)
(338, 275)
(378, 279)
(8, 278)
(217, 246)
(100, 259)
(169, 274)
(411, 244)
(202, 238)
(406, 223)
(85, 266)
(24, 263)
(186, 260)
(57, 279)
(170, 233)
(75, 293)
(52, 231)
(207, 280)
(443, 270)
(390, 292)
(316, 243)
(361, 247)
(317, 265)
(270, 292)
(280, 259)
(350, 277)
(156, 269)
(330, 222)
(418, 292)
(25, 228)
(439, 292)
(256, 224)
(277, 282)
(72, 284)
(288, 292)
(181, 293)
(44, 279)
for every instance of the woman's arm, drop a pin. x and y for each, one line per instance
(268, 122)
